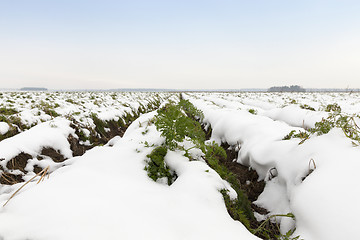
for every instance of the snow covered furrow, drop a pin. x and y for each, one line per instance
(49, 134)
(287, 107)
(295, 116)
(23, 110)
(106, 194)
(292, 114)
(25, 152)
(317, 180)
(238, 127)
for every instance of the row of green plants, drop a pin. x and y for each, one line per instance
(101, 126)
(328, 108)
(8, 115)
(104, 130)
(180, 122)
(11, 116)
(175, 126)
(335, 119)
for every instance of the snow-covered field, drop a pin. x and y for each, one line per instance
(105, 193)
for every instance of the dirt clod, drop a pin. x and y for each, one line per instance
(75, 146)
(37, 169)
(56, 156)
(10, 179)
(19, 162)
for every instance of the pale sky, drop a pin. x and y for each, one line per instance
(184, 44)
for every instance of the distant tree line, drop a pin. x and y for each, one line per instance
(293, 88)
(33, 89)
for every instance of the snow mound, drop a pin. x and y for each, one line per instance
(316, 180)
(106, 194)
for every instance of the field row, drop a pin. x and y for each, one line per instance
(270, 161)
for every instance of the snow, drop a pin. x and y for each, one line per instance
(324, 199)
(106, 193)
(78, 106)
(295, 116)
(4, 128)
(49, 134)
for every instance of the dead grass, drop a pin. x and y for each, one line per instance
(42, 173)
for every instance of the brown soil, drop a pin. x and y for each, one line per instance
(249, 183)
(37, 169)
(252, 187)
(76, 147)
(247, 177)
(19, 162)
(115, 129)
(207, 132)
(96, 138)
(10, 179)
(56, 156)
(99, 136)
(12, 132)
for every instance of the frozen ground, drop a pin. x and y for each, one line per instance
(106, 193)
(315, 180)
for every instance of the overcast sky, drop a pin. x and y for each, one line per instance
(71, 44)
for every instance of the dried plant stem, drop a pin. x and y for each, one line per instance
(314, 165)
(42, 173)
(8, 179)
